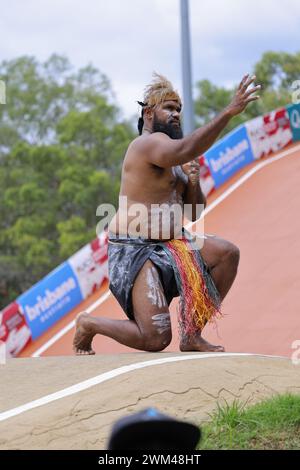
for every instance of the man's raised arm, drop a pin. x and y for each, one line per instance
(165, 152)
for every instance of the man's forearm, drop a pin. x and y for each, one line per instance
(202, 139)
(166, 153)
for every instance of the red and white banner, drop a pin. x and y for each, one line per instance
(14, 332)
(206, 180)
(269, 133)
(90, 265)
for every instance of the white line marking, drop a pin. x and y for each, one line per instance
(214, 204)
(98, 379)
(247, 175)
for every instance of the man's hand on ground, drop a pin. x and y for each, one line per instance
(243, 96)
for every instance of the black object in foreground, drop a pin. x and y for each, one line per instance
(151, 430)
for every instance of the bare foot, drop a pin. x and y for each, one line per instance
(199, 344)
(82, 342)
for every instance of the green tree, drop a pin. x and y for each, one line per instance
(275, 72)
(40, 94)
(62, 143)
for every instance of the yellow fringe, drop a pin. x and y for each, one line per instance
(200, 305)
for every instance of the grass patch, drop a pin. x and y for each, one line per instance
(271, 424)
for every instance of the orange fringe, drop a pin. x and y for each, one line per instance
(197, 308)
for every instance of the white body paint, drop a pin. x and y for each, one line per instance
(162, 322)
(155, 291)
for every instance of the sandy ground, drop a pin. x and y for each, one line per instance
(188, 390)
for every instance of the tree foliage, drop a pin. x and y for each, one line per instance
(276, 72)
(61, 148)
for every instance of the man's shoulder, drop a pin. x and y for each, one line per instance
(145, 140)
(143, 147)
(135, 151)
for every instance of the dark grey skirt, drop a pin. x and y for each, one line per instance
(126, 257)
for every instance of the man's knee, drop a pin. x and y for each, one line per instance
(158, 342)
(232, 254)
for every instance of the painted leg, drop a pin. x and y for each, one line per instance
(151, 329)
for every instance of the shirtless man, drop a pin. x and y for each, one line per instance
(160, 168)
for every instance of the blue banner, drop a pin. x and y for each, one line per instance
(50, 299)
(294, 115)
(229, 155)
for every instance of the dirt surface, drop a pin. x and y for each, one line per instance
(185, 389)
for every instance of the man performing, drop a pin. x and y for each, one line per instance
(149, 265)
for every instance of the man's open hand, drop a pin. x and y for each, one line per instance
(243, 95)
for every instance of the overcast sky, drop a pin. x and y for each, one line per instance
(128, 39)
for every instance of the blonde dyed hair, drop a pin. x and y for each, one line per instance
(160, 90)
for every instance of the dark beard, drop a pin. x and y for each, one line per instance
(174, 132)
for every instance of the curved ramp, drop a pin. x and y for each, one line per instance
(258, 211)
(52, 409)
